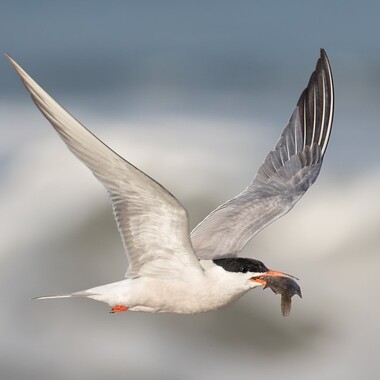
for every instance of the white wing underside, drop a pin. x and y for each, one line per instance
(283, 178)
(153, 224)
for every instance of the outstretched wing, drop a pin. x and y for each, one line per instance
(283, 178)
(152, 223)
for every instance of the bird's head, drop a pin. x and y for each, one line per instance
(253, 271)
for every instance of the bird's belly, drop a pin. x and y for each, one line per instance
(182, 297)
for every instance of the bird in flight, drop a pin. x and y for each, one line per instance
(171, 269)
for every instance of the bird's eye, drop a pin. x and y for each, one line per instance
(243, 270)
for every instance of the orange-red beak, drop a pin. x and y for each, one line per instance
(261, 279)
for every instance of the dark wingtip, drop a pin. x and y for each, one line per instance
(323, 61)
(316, 105)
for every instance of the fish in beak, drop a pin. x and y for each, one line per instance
(280, 283)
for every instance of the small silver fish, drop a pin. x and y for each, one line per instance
(285, 286)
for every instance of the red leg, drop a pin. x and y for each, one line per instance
(119, 309)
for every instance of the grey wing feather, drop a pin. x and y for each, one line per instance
(283, 178)
(152, 223)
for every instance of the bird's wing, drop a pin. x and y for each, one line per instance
(283, 178)
(152, 223)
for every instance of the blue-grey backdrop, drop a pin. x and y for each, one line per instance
(195, 93)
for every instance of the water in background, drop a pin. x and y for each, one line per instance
(195, 94)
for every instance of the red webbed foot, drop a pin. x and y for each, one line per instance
(119, 309)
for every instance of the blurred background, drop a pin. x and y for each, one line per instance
(195, 94)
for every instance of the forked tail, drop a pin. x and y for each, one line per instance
(56, 296)
(76, 294)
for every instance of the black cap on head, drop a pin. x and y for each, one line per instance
(240, 264)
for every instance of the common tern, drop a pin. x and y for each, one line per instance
(171, 269)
